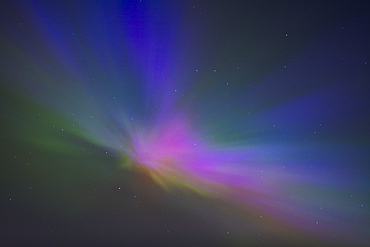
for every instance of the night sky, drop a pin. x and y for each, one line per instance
(184, 123)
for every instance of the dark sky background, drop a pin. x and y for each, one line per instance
(184, 123)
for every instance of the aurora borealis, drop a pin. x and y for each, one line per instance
(185, 123)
